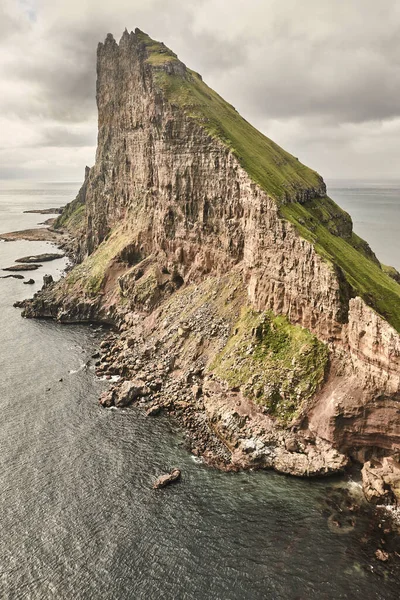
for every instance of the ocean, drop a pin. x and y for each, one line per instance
(375, 209)
(79, 518)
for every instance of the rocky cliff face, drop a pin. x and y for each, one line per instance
(189, 200)
(358, 408)
(175, 200)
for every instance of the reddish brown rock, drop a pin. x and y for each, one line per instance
(382, 555)
(167, 479)
(381, 481)
(154, 410)
(129, 391)
(107, 398)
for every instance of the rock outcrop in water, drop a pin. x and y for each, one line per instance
(165, 480)
(244, 299)
(48, 256)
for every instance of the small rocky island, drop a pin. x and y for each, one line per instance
(244, 304)
(173, 476)
(45, 211)
(24, 267)
(48, 256)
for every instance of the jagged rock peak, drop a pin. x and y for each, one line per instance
(109, 40)
(137, 36)
(137, 45)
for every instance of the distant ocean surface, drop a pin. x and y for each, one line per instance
(375, 210)
(79, 518)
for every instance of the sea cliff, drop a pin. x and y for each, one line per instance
(244, 303)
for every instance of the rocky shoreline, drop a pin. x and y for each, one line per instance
(173, 378)
(162, 360)
(61, 239)
(154, 390)
(152, 377)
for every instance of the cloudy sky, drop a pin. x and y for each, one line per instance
(320, 77)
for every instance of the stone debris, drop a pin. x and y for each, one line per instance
(382, 555)
(381, 480)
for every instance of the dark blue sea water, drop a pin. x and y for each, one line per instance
(79, 518)
(375, 209)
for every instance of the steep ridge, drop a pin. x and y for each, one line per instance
(187, 199)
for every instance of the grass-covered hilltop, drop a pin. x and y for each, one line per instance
(275, 170)
(244, 302)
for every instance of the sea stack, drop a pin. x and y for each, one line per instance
(229, 271)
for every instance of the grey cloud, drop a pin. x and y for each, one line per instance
(286, 73)
(9, 24)
(63, 71)
(63, 84)
(215, 54)
(364, 97)
(63, 137)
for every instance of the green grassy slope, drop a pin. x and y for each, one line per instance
(285, 367)
(316, 221)
(275, 170)
(282, 176)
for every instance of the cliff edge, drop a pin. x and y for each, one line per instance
(246, 305)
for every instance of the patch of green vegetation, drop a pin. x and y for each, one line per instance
(159, 54)
(73, 215)
(160, 58)
(91, 272)
(344, 249)
(391, 271)
(145, 288)
(276, 364)
(74, 220)
(363, 247)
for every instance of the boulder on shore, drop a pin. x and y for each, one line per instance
(382, 555)
(130, 391)
(153, 410)
(47, 280)
(107, 398)
(381, 480)
(167, 479)
(29, 282)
